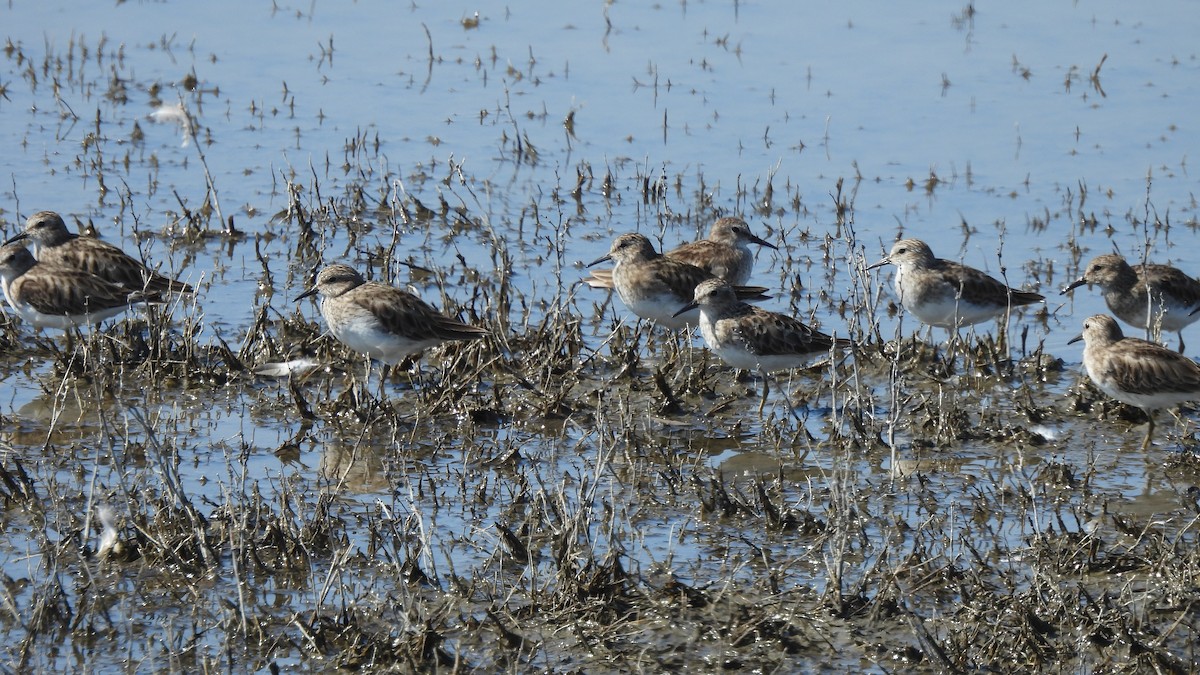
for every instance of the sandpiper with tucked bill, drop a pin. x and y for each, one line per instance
(654, 286)
(1144, 296)
(55, 244)
(945, 293)
(1137, 372)
(751, 338)
(725, 253)
(54, 296)
(380, 320)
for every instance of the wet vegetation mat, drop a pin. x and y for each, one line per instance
(581, 495)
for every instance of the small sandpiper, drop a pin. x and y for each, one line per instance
(751, 338)
(1144, 296)
(653, 286)
(53, 296)
(382, 321)
(945, 293)
(54, 244)
(725, 253)
(1137, 372)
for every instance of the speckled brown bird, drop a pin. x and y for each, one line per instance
(382, 321)
(654, 286)
(54, 244)
(725, 253)
(751, 338)
(1144, 296)
(945, 293)
(1137, 372)
(52, 296)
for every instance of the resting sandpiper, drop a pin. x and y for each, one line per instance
(56, 245)
(1144, 296)
(725, 253)
(945, 293)
(382, 321)
(1137, 372)
(52, 296)
(751, 338)
(654, 286)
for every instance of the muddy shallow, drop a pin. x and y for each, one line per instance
(579, 492)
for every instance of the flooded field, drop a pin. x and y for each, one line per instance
(581, 491)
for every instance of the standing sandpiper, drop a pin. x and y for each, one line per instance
(54, 244)
(945, 293)
(382, 321)
(654, 286)
(1137, 372)
(53, 296)
(1144, 296)
(725, 253)
(751, 338)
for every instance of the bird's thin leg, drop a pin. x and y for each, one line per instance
(366, 387)
(953, 346)
(73, 333)
(384, 375)
(766, 388)
(1149, 432)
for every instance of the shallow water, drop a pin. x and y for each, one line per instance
(983, 132)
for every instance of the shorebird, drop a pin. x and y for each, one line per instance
(382, 321)
(653, 286)
(725, 253)
(56, 245)
(945, 293)
(751, 338)
(1137, 372)
(53, 296)
(1145, 296)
